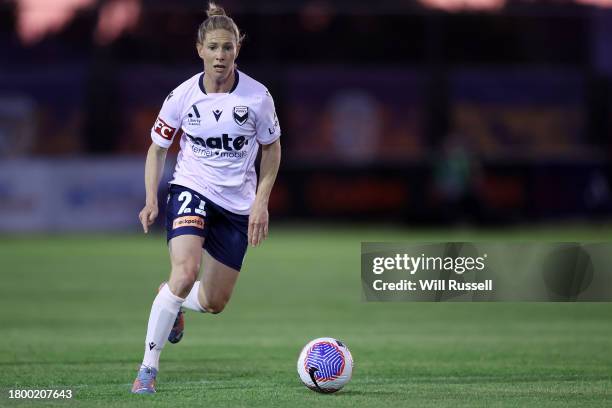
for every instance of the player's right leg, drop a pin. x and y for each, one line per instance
(186, 256)
(185, 224)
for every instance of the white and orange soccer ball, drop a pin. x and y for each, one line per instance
(325, 365)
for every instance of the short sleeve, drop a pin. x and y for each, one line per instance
(268, 128)
(167, 123)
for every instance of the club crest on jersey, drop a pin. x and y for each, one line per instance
(241, 114)
(193, 117)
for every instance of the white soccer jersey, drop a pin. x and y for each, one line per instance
(220, 134)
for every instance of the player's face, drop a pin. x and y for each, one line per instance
(219, 51)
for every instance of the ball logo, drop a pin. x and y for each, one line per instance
(328, 361)
(163, 129)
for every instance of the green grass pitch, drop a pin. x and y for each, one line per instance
(73, 313)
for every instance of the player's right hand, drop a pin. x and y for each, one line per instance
(147, 216)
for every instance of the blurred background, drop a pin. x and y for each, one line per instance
(429, 112)
(401, 120)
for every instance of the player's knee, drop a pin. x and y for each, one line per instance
(214, 306)
(182, 278)
(181, 286)
(186, 270)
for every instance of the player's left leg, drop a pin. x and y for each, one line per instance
(214, 290)
(224, 251)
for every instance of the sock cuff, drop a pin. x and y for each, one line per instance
(192, 301)
(198, 304)
(167, 293)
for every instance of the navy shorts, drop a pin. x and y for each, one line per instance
(225, 233)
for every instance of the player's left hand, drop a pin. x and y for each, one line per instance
(258, 224)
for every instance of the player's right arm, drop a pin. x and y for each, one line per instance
(154, 165)
(162, 134)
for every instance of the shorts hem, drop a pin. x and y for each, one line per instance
(218, 259)
(197, 234)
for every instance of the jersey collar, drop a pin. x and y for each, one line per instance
(236, 79)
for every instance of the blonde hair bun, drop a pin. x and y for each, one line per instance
(214, 10)
(217, 19)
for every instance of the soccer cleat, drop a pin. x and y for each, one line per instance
(145, 381)
(176, 334)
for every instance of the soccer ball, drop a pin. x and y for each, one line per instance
(325, 365)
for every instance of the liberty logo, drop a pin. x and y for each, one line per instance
(217, 114)
(194, 116)
(241, 114)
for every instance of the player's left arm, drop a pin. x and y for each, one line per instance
(268, 169)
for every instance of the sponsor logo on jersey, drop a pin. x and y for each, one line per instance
(223, 146)
(272, 130)
(188, 221)
(241, 114)
(193, 117)
(217, 113)
(163, 129)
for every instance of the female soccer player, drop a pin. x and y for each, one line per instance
(221, 116)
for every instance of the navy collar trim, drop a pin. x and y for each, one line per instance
(236, 79)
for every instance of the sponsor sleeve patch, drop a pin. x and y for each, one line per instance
(188, 221)
(163, 129)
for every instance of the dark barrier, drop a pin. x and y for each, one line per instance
(500, 193)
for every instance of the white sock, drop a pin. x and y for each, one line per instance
(191, 301)
(163, 314)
